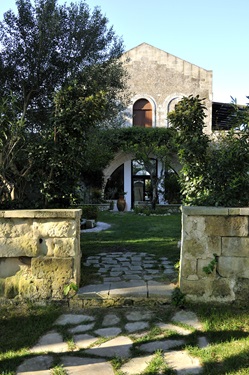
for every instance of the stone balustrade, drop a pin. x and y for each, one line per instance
(39, 252)
(215, 254)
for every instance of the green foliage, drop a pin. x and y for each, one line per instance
(90, 212)
(17, 159)
(148, 210)
(61, 64)
(228, 166)
(178, 298)
(171, 187)
(70, 290)
(158, 366)
(44, 44)
(214, 173)
(58, 370)
(188, 120)
(142, 210)
(146, 145)
(211, 266)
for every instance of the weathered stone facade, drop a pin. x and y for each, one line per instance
(39, 252)
(215, 254)
(163, 79)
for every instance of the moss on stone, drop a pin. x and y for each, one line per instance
(17, 285)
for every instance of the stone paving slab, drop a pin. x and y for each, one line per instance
(133, 321)
(122, 262)
(129, 274)
(118, 347)
(128, 289)
(39, 365)
(164, 345)
(110, 320)
(86, 366)
(73, 319)
(136, 326)
(187, 317)
(108, 332)
(202, 342)
(50, 342)
(81, 328)
(136, 365)
(183, 363)
(94, 291)
(158, 289)
(83, 341)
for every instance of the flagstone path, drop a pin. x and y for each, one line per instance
(98, 336)
(101, 335)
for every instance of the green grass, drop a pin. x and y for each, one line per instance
(157, 235)
(20, 328)
(227, 330)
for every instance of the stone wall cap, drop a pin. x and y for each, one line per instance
(214, 211)
(43, 214)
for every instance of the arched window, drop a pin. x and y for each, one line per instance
(142, 113)
(172, 104)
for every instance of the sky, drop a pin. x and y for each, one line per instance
(211, 34)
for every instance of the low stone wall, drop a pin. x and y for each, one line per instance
(39, 252)
(168, 208)
(215, 254)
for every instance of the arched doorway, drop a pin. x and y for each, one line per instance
(115, 184)
(141, 182)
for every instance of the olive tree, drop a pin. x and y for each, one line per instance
(47, 49)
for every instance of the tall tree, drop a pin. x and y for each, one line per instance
(188, 119)
(215, 172)
(47, 50)
(46, 44)
(83, 108)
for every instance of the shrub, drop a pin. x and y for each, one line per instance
(90, 212)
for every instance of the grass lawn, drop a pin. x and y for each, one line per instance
(226, 327)
(20, 328)
(157, 235)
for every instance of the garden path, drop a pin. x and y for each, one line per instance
(132, 336)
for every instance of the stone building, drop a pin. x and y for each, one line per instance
(157, 81)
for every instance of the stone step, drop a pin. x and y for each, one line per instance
(122, 293)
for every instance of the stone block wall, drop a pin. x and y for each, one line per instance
(215, 254)
(39, 252)
(160, 76)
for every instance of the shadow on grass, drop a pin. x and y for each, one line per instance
(234, 364)
(20, 328)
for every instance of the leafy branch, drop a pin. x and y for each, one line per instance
(211, 266)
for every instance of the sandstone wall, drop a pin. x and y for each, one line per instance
(215, 254)
(161, 78)
(39, 252)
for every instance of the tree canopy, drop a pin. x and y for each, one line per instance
(215, 172)
(47, 44)
(61, 65)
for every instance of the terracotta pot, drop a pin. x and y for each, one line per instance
(121, 203)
